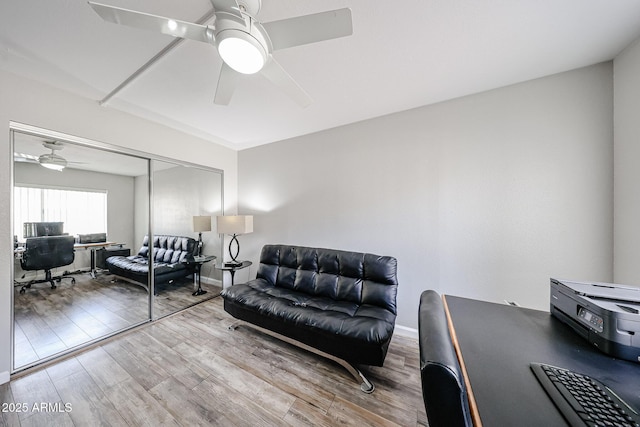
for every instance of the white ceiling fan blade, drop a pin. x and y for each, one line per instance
(227, 6)
(22, 157)
(146, 21)
(309, 28)
(279, 77)
(226, 85)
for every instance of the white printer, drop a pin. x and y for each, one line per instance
(606, 314)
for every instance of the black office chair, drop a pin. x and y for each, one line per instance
(443, 388)
(45, 253)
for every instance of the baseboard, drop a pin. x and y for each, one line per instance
(4, 377)
(210, 281)
(404, 331)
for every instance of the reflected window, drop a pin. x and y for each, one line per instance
(81, 211)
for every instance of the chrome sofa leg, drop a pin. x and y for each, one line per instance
(365, 385)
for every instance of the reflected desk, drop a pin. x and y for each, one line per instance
(497, 342)
(93, 247)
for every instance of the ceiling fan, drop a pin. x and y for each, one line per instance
(49, 160)
(244, 44)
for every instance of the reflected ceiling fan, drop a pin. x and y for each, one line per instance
(49, 160)
(244, 44)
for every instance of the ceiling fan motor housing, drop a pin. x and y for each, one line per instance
(236, 37)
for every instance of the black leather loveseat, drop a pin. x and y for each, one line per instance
(173, 259)
(339, 304)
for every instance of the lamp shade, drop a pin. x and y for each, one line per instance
(234, 224)
(201, 223)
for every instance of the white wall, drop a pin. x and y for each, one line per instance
(627, 171)
(486, 196)
(32, 103)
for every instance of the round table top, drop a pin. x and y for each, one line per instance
(204, 258)
(223, 266)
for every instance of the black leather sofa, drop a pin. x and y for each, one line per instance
(173, 259)
(443, 387)
(339, 304)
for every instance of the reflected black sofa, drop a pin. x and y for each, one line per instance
(339, 304)
(173, 259)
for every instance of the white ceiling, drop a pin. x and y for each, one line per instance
(402, 55)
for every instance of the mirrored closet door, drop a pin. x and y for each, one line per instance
(82, 214)
(186, 200)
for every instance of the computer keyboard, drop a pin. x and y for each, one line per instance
(582, 400)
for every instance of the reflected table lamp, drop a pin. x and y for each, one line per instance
(201, 223)
(234, 225)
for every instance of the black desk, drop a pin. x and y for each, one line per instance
(497, 343)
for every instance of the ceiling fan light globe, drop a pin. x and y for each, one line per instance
(52, 166)
(241, 51)
(52, 161)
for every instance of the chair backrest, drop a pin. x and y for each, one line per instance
(443, 388)
(45, 253)
(340, 275)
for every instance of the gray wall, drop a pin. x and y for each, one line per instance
(627, 170)
(486, 196)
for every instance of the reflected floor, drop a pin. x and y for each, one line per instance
(48, 321)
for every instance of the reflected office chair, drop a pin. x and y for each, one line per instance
(443, 388)
(46, 253)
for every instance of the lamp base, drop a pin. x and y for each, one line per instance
(234, 256)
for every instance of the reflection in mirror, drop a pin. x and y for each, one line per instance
(186, 201)
(74, 207)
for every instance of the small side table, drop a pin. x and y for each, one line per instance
(198, 261)
(232, 268)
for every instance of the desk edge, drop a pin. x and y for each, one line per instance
(475, 415)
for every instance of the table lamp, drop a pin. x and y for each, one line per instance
(234, 225)
(201, 223)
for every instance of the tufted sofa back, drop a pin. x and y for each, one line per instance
(347, 276)
(170, 249)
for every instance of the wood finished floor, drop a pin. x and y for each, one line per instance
(48, 321)
(190, 369)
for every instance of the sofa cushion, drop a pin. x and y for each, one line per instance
(169, 249)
